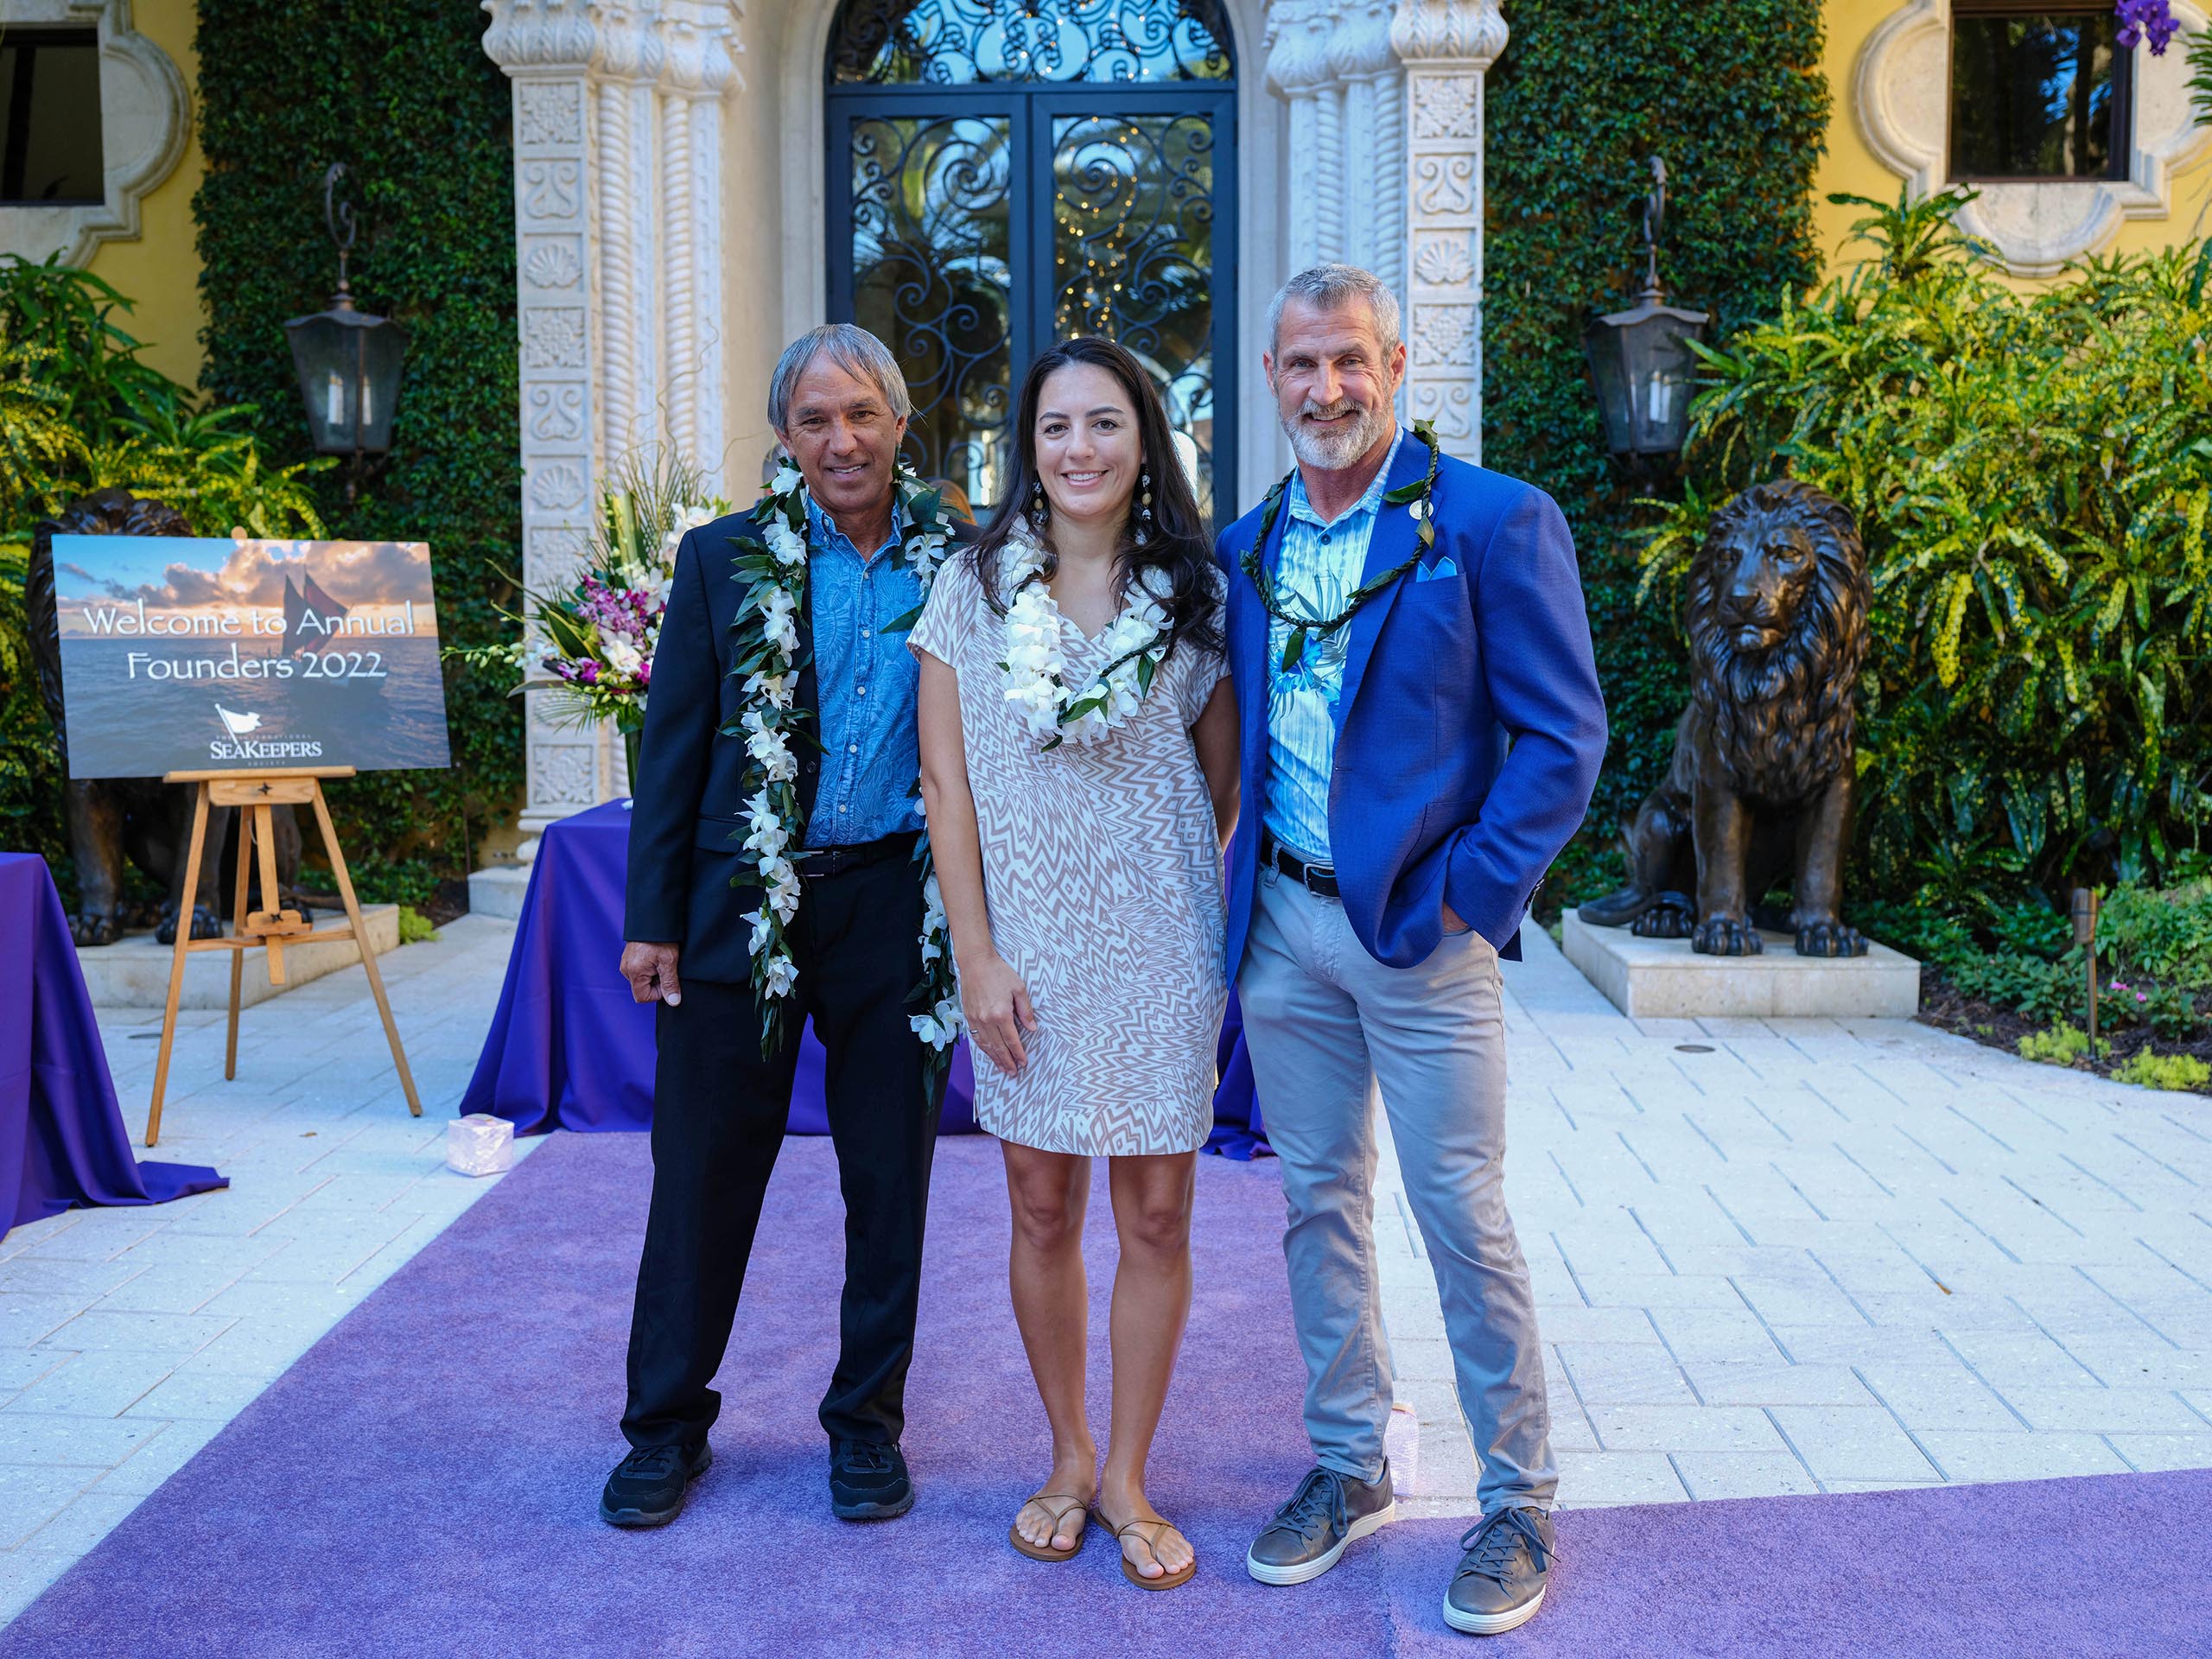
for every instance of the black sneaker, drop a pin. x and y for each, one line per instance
(1500, 1583)
(1310, 1534)
(869, 1482)
(647, 1487)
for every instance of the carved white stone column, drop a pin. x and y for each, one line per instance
(618, 158)
(1447, 47)
(1363, 61)
(1298, 68)
(697, 73)
(546, 48)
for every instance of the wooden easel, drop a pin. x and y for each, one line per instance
(254, 793)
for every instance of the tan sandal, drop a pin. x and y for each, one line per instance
(1165, 1581)
(1044, 1552)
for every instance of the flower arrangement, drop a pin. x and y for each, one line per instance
(591, 643)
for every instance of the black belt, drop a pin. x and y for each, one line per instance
(815, 862)
(1317, 878)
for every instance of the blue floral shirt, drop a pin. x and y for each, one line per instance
(867, 682)
(1318, 568)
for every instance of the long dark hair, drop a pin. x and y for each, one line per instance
(1178, 543)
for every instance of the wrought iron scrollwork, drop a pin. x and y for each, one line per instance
(932, 279)
(1133, 253)
(957, 41)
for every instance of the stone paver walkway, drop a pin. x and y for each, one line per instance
(1770, 1256)
(129, 1336)
(1777, 1257)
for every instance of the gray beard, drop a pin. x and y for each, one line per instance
(1333, 452)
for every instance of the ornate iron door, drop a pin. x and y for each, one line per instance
(973, 222)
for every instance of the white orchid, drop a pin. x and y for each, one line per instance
(764, 930)
(619, 655)
(779, 617)
(769, 748)
(788, 477)
(778, 689)
(788, 546)
(941, 1024)
(769, 834)
(782, 970)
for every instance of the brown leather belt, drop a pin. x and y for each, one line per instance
(1317, 878)
(814, 863)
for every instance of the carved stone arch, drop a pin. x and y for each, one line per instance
(146, 120)
(1901, 98)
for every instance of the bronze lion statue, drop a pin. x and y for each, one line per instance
(1758, 792)
(142, 819)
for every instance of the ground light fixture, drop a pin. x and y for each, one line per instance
(347, 361)
(1640, 359)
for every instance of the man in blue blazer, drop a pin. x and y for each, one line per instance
(1421, 732)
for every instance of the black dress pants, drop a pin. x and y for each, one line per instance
(719, 1114)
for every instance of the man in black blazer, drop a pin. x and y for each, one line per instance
(839, 406)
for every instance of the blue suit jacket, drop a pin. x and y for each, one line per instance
(1469, 727)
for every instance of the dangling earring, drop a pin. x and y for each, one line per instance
(1038, 511)
(1144, 502)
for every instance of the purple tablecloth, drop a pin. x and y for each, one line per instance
(569, 1049)
(62, 1142)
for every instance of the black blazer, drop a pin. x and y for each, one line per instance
(691, 883)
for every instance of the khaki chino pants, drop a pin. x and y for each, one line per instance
(1327, 1025)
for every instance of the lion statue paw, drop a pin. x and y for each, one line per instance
(1726, 936)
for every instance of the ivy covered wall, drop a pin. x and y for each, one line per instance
(1733, 99)
(401, 92)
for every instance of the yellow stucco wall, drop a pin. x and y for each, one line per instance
(160, 270)
(1850, 165)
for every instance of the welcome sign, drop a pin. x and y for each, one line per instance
(185, 654)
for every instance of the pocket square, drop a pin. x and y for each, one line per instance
(1437, 572)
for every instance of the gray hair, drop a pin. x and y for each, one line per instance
(1326, 287)
(852, 349)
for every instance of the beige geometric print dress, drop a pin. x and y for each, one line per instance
(1103, 874)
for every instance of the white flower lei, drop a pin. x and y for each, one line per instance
(773, 570)
(1035, 667)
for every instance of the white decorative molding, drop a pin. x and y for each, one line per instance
(1448, 47)
(1901, 97)
(146, 120)
(617, 132)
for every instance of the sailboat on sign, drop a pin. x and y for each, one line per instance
(328, 612)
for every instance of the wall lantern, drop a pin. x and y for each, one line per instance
(1641, 359)
(347, 361)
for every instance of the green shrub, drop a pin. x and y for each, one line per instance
(2031, 473)
(2060, 1045)
(1574, 109)
(2163, 1070)
(415, 927)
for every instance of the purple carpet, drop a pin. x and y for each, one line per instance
(424, 1480)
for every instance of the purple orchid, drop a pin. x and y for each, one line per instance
(2153, 18)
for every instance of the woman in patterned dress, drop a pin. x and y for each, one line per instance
(1079, 773)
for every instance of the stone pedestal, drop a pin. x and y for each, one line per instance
(1664, 979)
(498, 890)
(134, 971)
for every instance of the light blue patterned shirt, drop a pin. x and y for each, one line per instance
(1319, 566)
(866, 681)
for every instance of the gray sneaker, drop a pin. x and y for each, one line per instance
(1308, 1536)
(1500, 1583)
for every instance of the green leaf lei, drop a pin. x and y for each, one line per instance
(1420, 494)
(769, 637)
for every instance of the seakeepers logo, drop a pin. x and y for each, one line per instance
(233, 745)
